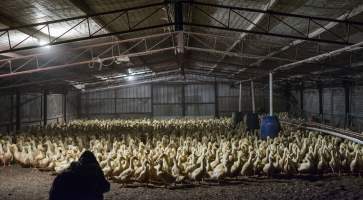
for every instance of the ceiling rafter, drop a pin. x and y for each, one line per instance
(356, 11)
(255, 24)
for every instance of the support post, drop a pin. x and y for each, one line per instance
(347, 88)
(45, 107)
(65, 106)
(178, 9)
(321, 110)
(183, 100)
(287, 95)
(216, 110)
(240, 97)
(17, 111)
(11, 114)
(253, 97)
(302, 98)
(271, 93)
(152, 100)
(115, 102)
(79, 104)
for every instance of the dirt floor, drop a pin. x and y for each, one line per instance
(30, 184)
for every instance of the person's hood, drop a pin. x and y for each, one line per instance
(87, 158)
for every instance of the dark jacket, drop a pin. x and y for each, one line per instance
(83, 180)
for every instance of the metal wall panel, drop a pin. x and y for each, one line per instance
(100, 106)
(339, 106)
(200, 109)
(357, 107)
(201, 93)
(334, 106)
(140, 91)
(227, 99)
(327, 104)
(311, 102)
(137, 105)
(72, 105)
(117, 102)
(168, 110)
(261, 100)
(55, 108)
(5, 109)
(227, 90)
(104, 94)
(167, 100)
(31, 109)
(295, 101)
(163, 94)
(199, 99)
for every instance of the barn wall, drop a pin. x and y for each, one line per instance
(333, 106)
(167, 100)
(32, 109)
(170, 100)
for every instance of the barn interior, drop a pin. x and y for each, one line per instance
(196, 99)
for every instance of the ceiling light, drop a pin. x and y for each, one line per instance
(122, 58)
(43, 43)
(130, 77)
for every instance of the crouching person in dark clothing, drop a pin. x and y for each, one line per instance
(83, 180)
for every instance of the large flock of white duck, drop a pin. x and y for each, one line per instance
(177, 151)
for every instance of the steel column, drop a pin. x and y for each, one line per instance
(301, 97)
(11, 113)
(183, 99)
(347, 90)
(65, 106)
(45, 107)
(240, 97)
(115, 100)
(216, 109)
(178, 10)
(79, 105)
(152, 99)
(253, 97)
(321, 110)
(17, 111)
(271, 93)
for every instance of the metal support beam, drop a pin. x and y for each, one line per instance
(320, 57)
(45, 107)
(315, 33)
(79, 104)
(297, 34)
(320, 93)
(82, 20)
(347, 93)
(271, 93)
(253, 25)
(253, 97)
(11, 114)
(301, 98)
(216, 104)
(17, 111)
(82, 5)
(65, 106)
(115, 101)
(183, 100)
(152, 100)
(240, 97)
(287, 95)
(178, 10)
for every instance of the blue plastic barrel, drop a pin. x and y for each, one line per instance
(270, 127)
